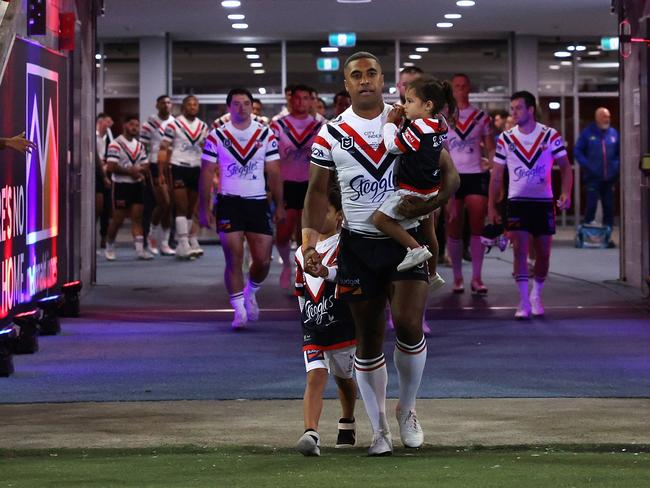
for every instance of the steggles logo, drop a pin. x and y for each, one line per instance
(42, 103)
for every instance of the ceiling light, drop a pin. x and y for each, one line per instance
(231, 3)
(392, 89)
(452, 16)
(566, 63)
(240, 26)
(250, 49)
(257, 65)
(562, 54)
(444, 25)
(593, 53)
(407, 64)
(554, 105)
(329, 49)
(415, 56)
(354, 1)
(236, 17)
(262, 90)
(252, 56)
(554, 66)
(422, 49)
(259, 71)
(581, 48)
(613, 64)
(98, 56)
(570, 48)
(465, 3)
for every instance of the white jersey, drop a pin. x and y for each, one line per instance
(103, 142)
(126, 154)
(354, 148)
(152, 133)
(241, 156)
(529, 159)
(295, 137)
(225, 118)
(464, 140)
(186, 141)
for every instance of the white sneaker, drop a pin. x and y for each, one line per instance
(436, 282)
(414, 257)
(410, 430)
(523, 311)
(165, 250)
(240, 319)
(152, 245)
(536, 305)
(252, 309)
(183, 251)
(109, 254)
(285, 277)
(144, 255)
(382, 443)
(309, 443)
(195, 248)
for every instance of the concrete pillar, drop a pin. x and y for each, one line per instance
(154, 72)
(523, 65)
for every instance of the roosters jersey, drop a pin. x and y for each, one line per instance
(186, 141)
(241, 155)
(529, 160)
(295, 137)
(326, 322)
(226, 118)
(126, 154)
(464, 141)
(354, 148)
(152, 133)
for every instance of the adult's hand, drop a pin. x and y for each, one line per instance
(19, 143)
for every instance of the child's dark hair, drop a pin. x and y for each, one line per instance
(437, 91)
(334, 196)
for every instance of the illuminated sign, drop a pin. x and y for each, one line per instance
(327, 64)
(609, 43)
(341, 39)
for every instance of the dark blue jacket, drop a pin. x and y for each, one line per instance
(595, 145)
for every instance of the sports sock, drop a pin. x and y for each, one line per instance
(139, 243)
(522, 284)
(237, 300)
(372, 378)
(165, 233)
(538, 285)
(181, 230)
(154, 232)
(455, 249)
(477, 250)
(252, 287)
(409, 362)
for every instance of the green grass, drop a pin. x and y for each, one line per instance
(267, 467)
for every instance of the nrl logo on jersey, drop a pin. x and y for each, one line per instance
(347, 143)
(227, 143)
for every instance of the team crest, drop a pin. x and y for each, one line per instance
(227, 143)
(347, 143)
(511, 147)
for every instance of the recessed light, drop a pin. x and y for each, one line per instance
(240, 26)
(421, 49)
(444, 25)
(257, 65)
(262, 90)
(259, 71)
(236, 17)
(554, 66)
(566, 63)
(452, 16)
(250, 49)
(570, 48)
(392, 89)
(554, 105)
(415, 56)
(408, 65)
(562, 54)
(354, 1)
(252, 56)
(465, 3)
(98, 56)
(231, 3)
(329, 49)
(581, 48)
(593, 53)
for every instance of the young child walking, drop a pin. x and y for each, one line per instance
(420, 143)
(328, 335)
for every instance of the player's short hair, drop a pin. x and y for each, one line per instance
(238, 91)
(501, 113)
(161, 98)
(289, 88)
(342, 93)
(302, 88)
(461, 75)
(411, 70)
(334, 196)
(188, 98)
(129, 117)
(257, 100)
(101, 115)
(527, 97)
(360, 55)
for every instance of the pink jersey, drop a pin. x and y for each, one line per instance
(295, 137)
(464, 141)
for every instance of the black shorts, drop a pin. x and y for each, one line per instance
(237, 214)
(473, 184)
(368, 265)
(186, 177)
(127, 194)
(294, 194)
(535, 217)
(153, 168)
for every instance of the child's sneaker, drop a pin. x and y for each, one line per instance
(309, 443)
(414, 257)
(347, 434)
(436, 282)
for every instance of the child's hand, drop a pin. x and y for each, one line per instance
(395, 115)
